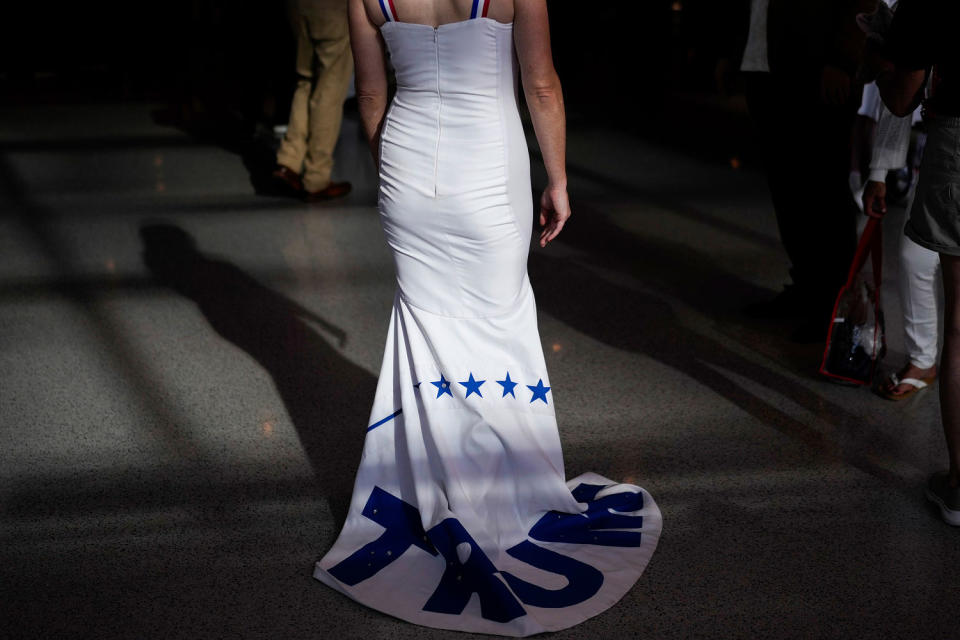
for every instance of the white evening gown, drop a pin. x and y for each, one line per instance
(460, 516)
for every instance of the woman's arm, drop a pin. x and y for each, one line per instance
(901, 89)
(371, 74)
(541, 86)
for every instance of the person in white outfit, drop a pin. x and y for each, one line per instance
(918, 265)
(461, 517)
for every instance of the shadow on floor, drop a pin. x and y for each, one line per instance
(684, 273)
(676, 269)
(256, 149)
(327, 397)
(638, 322)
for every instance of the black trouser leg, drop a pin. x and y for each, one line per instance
(807, 150)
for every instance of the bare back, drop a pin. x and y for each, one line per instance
(436, 12)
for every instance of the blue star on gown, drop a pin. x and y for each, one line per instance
(443, 386)
(539, 391)
(508, 386)
(473, 386)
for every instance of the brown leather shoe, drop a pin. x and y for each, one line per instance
(332, 190)
(287, 179)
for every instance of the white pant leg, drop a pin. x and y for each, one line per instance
(918, 300)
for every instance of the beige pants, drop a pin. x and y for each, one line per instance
(324, 68)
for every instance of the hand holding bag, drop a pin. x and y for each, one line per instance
(856, 341)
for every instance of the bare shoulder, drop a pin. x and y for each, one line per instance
(373, 11)
(530, 20)
(530, 16)
(501, 10)
(531, 33)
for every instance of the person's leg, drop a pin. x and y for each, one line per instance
(790, 165)
(921, 315)
(788, 171)
(293, 148)
(757, 91)
(808, 159)
(933, 223)
(334, 66)
(768, 121)
(950, 365)
(918, 301)
(817, 214)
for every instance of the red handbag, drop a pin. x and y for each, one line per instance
(856, 341)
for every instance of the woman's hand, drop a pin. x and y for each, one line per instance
(554, 213)
(541, 86)
(875, 199)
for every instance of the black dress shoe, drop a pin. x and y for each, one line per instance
(789, 303)
(812, 331)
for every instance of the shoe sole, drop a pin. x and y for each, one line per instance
(950, 516)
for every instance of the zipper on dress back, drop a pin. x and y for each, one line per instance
(436, 154)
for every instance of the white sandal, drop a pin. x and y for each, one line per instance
(895, 382)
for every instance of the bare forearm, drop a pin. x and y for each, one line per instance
(545, 102)
(371, 74)
(544, 95)
(373, 108)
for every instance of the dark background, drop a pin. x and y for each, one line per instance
(227, 64)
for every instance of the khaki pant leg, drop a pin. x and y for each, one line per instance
(334, 67)
(293, 148)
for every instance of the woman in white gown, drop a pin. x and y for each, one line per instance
(461, 517)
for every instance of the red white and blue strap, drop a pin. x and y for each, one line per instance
(479, 9)
(389, 11)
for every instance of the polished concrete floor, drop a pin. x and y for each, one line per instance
(186, 370)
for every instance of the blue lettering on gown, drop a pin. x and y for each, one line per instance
(477, 574)
(583, 581)
(462, 579)
(403, 530)
(589, 527)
